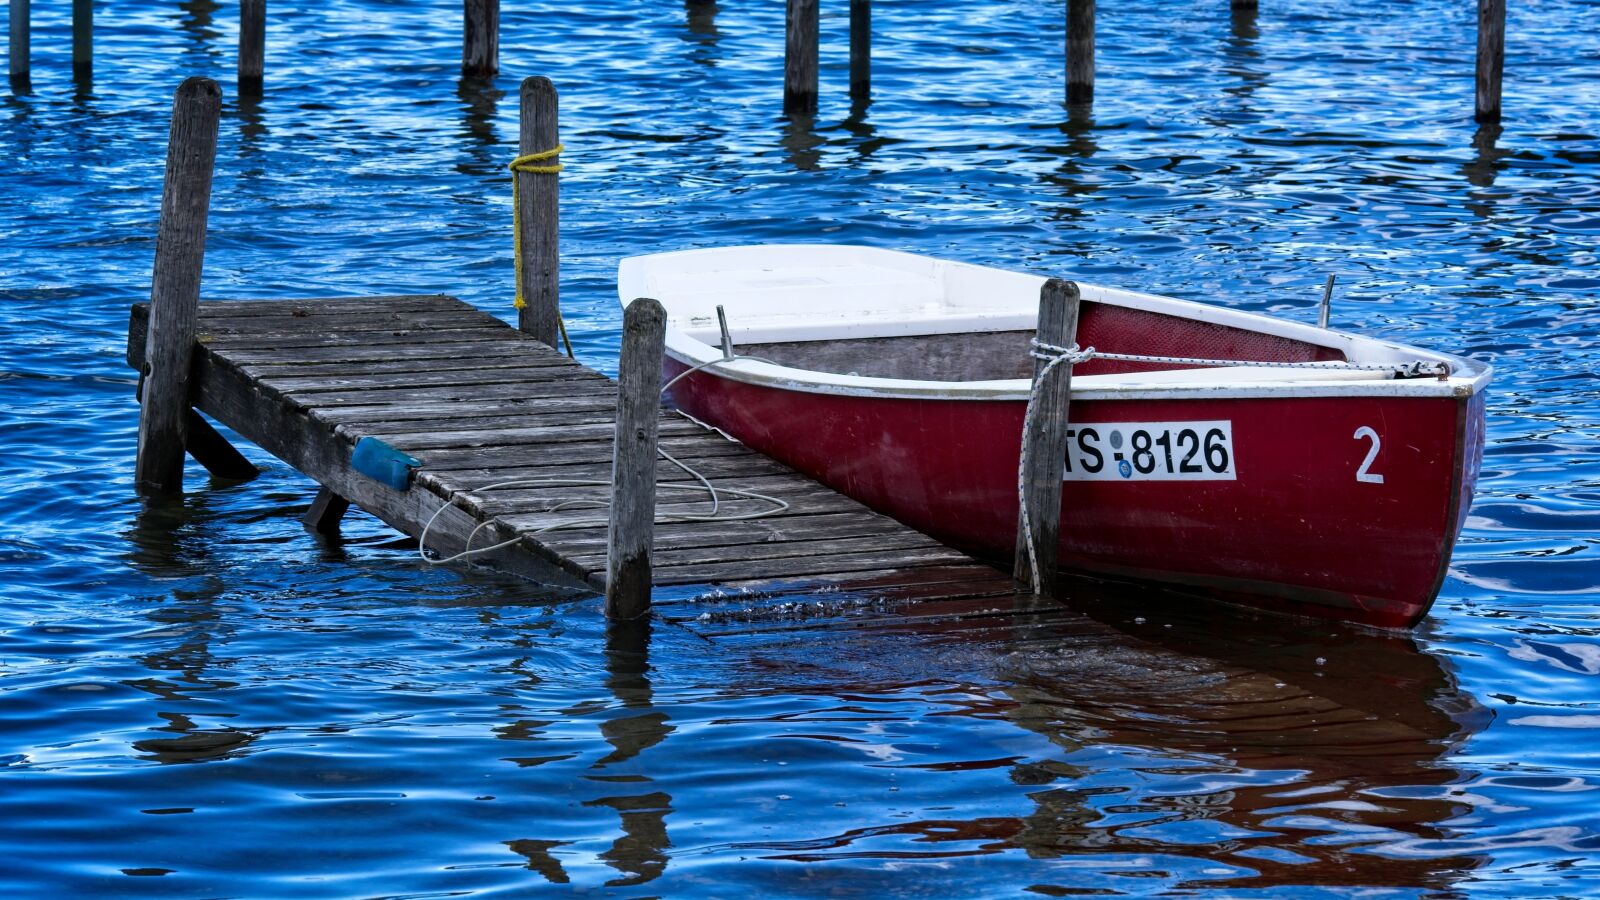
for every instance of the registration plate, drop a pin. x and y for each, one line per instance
(1150, 451)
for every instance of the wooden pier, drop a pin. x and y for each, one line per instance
(477, 402)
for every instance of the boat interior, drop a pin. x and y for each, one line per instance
(1003, 354)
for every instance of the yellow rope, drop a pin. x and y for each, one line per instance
(527, 164)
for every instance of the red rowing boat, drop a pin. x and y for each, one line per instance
(1245, 457)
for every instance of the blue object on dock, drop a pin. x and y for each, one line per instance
(381, 462)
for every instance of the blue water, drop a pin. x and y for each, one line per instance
(200, 698)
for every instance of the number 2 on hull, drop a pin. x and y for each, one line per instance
(1362, 475)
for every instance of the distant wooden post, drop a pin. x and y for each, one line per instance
(1080, 52)
(480, 39)
(540, 197)
(82, 39)
(1244, 4)
(633, 461)
(1491, 57)
(800, 58)
(175, 286)
(1046, 442)
(252, 46)
(17, 18)
(860, 49)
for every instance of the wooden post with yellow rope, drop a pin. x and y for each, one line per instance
(536, 197)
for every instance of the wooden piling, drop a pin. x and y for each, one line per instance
(1046, 442)
(1244, 4)
(82, 39)
(326, 512)
(252, 46)
(540, 215)
(860, 49)
(175, 286)
(1080, 52)
(17, 19)
(1491, 58)
(480, 39)
(633, 461)
(800, 58)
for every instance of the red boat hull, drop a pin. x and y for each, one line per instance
(1295, 529)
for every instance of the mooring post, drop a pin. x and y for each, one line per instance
(252, 46)
(1491, 57)
(1244, 4)
(17, 19)
(800, 58)
(480, 39)
(1080, 52)
(1045, 444)
(175, 287)
(860, 49)
(82, 40)
(633, 460)
(539, 194)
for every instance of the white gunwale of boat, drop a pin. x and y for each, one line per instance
(818, 292)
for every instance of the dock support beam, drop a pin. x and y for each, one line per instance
(1045, 444)
(252, 46)
(82, 40)
(175, 287)
(325, 512)
(540, 215)
(860, 50)
(1491, 58)
(633, 461)
(17, 17)
(1080, 52)
(480, 39)
(800, 58)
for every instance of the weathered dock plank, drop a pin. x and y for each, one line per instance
(480, 403)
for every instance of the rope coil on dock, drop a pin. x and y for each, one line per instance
(528, 164)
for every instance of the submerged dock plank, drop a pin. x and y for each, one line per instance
(479, 404)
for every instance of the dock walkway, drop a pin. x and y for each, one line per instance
(479, 403)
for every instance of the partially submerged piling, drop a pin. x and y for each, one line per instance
(801, 34)
(480, 38)
(252, 46)
(860, 50)
(1491, 58)
(631, 532)
(1080, 52)
(82, 39)
(1045, 442)
(18, 26)
(175, 287)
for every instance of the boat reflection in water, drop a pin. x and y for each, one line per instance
(1195, 744)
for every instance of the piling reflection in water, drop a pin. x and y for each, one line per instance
(183, 675)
